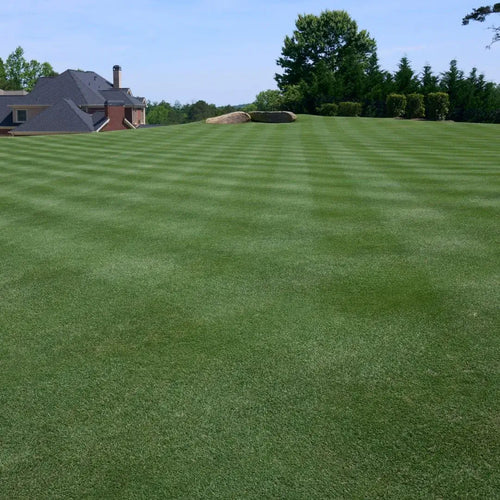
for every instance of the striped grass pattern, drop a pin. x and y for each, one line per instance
(251, 311)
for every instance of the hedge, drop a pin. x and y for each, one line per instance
(396, 105)
(438, 105)
(415, 107)
(328, 109)
(350, 109)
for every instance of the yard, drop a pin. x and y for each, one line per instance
(252, 311)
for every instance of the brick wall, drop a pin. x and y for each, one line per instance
(116, 113)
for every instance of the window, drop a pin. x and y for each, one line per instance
(22, 115)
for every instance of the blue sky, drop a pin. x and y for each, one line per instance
(224, 51)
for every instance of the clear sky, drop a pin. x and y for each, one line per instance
(225, 51)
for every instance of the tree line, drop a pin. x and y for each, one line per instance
(165, 113)
(16, 73)
(329, 66)
(373, 93)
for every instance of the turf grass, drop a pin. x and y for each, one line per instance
(251, 311)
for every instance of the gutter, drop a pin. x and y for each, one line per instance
(128, 124)
(102, 126)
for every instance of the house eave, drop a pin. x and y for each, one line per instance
(18, 134)
(26, 106)
(103, 125)
(128, 124)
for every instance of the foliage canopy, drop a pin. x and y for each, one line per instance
(327, 56)
(19, 74)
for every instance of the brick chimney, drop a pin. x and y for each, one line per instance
(117, 77)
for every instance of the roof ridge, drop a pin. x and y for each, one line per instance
(77, 81)
(84, 88)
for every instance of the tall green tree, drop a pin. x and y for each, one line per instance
(33, 71)
(428, 81)
(326, 57)
(477, 99)
(3, 77)
(405, 80)
(14, 69)
(378, 84)
(21, 74)
(452, 83)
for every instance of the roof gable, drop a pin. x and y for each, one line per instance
(84, 88)
(123, 95)
(64, 116)
(5, 111)
(67, 85)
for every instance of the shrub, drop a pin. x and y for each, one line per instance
(415, 107)
(328, 109)
(272, 116)
(438, 105)
(374, 109)
(396, 105)
(349, 109)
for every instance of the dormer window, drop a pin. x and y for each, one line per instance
(21, 115)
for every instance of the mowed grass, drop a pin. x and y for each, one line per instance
(254, 311)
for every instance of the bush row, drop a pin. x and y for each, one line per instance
(340, 109)
(434, 106)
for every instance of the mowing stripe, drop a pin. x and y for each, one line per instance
(251, 311)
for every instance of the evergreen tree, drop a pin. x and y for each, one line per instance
(378, 84)
(478, 102)
(428, 81)
(405, 80)
(452, 83)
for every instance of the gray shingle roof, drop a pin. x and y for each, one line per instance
(5, 111)
(84, 88)
(64, 116)
(99, 119)
(121, 95)
(67, 85)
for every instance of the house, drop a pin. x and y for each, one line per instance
(70, 103)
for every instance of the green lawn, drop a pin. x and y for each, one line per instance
(253, 311)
